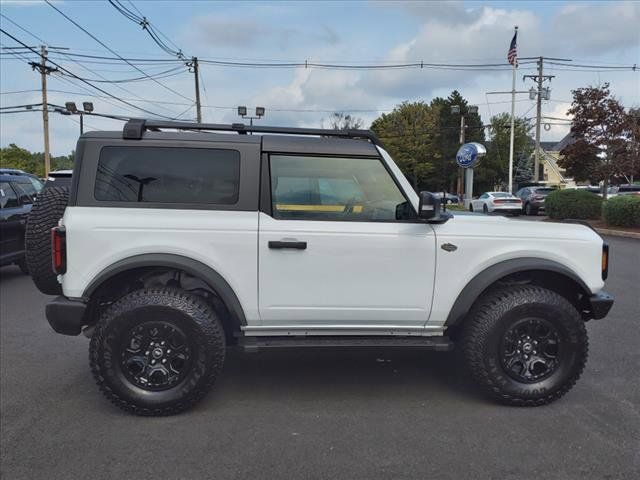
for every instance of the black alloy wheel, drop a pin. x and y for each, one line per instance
(530, 350)
(155, 355)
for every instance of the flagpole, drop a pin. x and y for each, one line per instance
(513, 110)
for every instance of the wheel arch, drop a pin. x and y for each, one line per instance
(195, 268)
(543, 272)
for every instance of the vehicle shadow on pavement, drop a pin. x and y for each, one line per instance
(344, 375)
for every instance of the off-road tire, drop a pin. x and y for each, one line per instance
(188, 312)
(492, 316)
(45, 214)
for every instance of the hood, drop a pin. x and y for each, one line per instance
(466, 224)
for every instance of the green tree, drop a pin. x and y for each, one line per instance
(602, 131)
(409, 133)
(493, 170)
(22, 159)
(16, 157)
(449, 129)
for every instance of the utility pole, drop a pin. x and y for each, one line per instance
(193, 67)
(536, 162)
(44, 71)
(542, 94)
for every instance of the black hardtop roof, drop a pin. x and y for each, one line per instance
(273, 139)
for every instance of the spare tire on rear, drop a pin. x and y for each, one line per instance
(45, 214)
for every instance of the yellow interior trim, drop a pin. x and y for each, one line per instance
(315, 208)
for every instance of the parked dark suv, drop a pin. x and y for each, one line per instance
(533, 198)
(17, 194)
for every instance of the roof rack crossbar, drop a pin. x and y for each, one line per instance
(135, 128)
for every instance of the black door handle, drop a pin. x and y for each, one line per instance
(285, 244)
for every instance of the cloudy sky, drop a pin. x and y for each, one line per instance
(592, 33)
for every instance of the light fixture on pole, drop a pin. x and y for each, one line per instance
(242, 112)
(73, 109)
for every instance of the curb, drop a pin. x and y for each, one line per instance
(618, 233)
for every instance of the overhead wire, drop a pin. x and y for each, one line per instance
(84, 81)
(113, 51)
(76, 62)
(147, 26)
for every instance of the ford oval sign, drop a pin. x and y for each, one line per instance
(469, 154)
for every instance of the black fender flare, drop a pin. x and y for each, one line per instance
(492, 274)
(193, 267)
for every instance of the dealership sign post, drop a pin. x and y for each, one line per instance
(467, 157)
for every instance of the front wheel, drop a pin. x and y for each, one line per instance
(157, 351)
(525, 345)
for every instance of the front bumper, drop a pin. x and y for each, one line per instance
(66, 316)
(599, 305)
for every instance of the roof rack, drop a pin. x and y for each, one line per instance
(135, 128)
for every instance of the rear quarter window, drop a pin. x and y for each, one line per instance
(168, 175)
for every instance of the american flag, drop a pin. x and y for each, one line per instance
(512, 55)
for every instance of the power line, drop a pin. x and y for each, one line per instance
(73, 60)
(147, 26)
(84, 81)
(164, 74)
(230, 107)
(112, 51)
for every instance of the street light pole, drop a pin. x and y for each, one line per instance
(73, 109)
(242, 112)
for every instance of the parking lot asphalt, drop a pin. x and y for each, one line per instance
(331, 414)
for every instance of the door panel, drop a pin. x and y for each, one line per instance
(337, 251)
(357, 273)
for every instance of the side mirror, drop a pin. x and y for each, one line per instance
(429, 208)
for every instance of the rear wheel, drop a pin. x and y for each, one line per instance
(45, 214)
(471, 207)
(157, 351)
(525, 345)
(485, 209)
(529, 210)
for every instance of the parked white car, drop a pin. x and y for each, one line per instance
(498, 202)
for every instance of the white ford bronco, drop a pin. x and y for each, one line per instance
(177, 240)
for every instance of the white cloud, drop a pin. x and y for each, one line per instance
(241, 33)
(445, 33)
(595, 29)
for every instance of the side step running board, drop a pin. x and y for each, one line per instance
(252, 344)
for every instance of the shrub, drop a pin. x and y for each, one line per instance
(622, 211)
(578, 204)
(455, 206)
